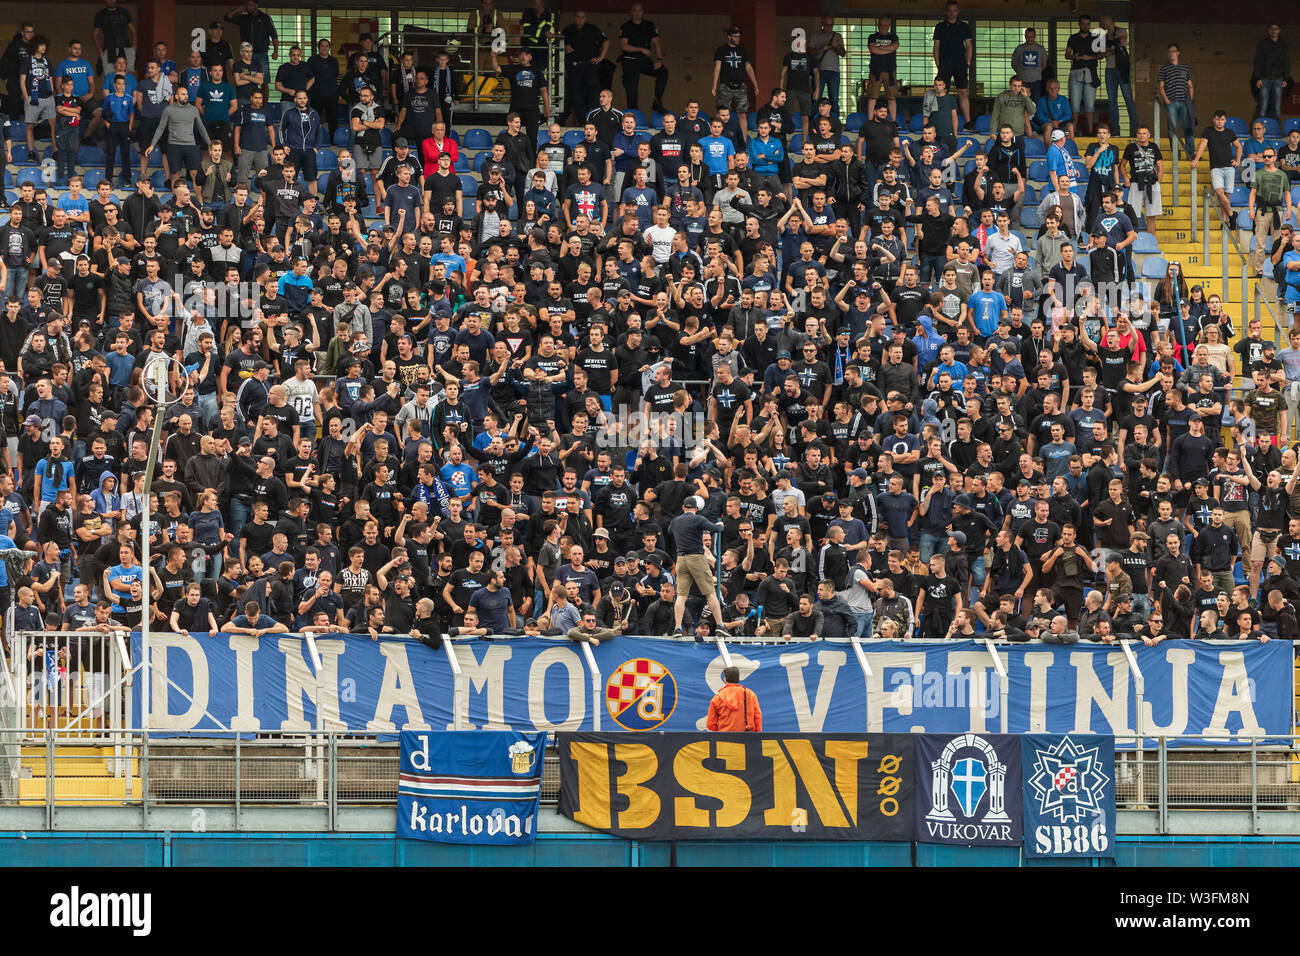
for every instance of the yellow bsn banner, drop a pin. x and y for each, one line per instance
(702, 786)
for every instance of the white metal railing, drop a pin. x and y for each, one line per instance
(71, 681)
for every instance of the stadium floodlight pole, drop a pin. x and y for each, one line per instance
(156, 381)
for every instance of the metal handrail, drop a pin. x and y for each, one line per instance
(465, 48)
(1250, 288)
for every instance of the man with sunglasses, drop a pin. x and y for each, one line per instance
(1269, 193)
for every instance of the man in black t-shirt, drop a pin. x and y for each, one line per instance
(952, 53)
(731, 67)
(529, 95)
(642, 53)
(1225, 157)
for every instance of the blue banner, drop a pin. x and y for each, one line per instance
(1069, 795)
(968, 789)
(470, 788)
(1224, 691)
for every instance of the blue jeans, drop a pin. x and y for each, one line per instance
(208, 408)
(16, 283)
(865, 619)
(930, 543)
(1083, 95)
(1180, 125)
(830, 87)
(1270, 99)
(1114, 89)
(67, 141)
(239, 515)
(931, 265)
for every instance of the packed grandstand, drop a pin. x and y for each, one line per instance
(914, 376)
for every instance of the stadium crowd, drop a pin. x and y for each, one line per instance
(651, 381)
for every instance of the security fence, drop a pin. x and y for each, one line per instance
(328, 771)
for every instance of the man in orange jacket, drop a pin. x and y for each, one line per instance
(734, 708)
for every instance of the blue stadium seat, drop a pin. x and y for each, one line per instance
(796, 142)
(1034, 147)
(386, 139)
(1244, 221)
(274, 111)
(1271, 126)
(968, 168)
(20, 152)
(478, 139)
(796, 122)
(156, 179)
(916, 122)
(1146, 243)
(1038, 171)
(542, 136)
(982, 124)
(322, 181)
(1031, 196)
(657, 120)
(906, 141)
(1240, 196)
(327, 160)
(342, 137)
(30, 174)
(480, 160)
(640, 117)
(467, 210)
(1237, 125)
(1290, 124)
(1295, 195)
(453, 136)
(462, 163)
(853, 122)
(571, 139)
(1071, 147)
(91, 177)
(469, 185)
(1155, 268)
(90, 155)
(844, 140)
(1029, 217)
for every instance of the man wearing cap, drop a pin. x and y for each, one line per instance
(731, 67)
(692, 566)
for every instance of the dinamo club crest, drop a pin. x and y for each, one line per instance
(640, 694)
(1068, 781)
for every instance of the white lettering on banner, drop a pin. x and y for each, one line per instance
(397, 689)
(159, 647)
(713, 678)
(243, 647)
(490, 673)
(1037, 662)
(900, 698)
(299, 682)
(1235, 697)
(969, 832)
(74, 909)
(1180, 660)
(537, 687)
(981, 684)
(1088, 690)
(423, 821)
(812, 721)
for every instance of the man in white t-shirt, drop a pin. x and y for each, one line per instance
(660, 236)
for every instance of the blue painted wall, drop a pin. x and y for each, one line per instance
(93, 849)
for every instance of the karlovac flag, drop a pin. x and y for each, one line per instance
(470, 787)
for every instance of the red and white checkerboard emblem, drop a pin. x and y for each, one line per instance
(1064, 779)
(640, 694)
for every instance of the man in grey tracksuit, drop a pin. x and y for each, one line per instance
(180, 120)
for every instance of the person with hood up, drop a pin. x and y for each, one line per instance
(734, 708)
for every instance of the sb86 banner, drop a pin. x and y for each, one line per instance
(681, 786)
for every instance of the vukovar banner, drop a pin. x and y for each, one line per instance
(1226, 691)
